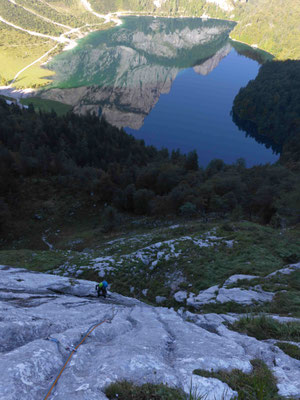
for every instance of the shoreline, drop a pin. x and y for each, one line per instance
(254, 46)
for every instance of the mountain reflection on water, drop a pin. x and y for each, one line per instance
(122, 72)
(127, 74)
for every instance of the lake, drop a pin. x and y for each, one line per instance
(171, 82)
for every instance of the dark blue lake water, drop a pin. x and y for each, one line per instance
(196, 115)
(171, 82)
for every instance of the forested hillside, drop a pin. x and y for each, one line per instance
(195, 8)
(269, 108)
(81, 155)
(69, 13)
(27, 20)
(272, 25)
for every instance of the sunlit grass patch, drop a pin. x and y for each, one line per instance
(12, 60)
(19, 49)
(34, 76)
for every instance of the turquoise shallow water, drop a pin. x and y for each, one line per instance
(171, 82)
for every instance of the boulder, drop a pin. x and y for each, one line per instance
(180, 296)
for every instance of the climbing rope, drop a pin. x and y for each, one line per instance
(59, 344)
(74, 349)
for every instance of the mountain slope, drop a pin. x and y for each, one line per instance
(32, 32)
(272, 25)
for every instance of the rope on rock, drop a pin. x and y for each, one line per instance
(74, 349)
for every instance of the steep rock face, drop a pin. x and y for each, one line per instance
(137, 342)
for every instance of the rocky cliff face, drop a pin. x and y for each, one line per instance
(137, 342)
(122, 76)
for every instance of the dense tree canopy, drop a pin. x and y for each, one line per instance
(269, 108)
(84, 155)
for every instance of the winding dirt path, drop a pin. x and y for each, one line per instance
(60, 39)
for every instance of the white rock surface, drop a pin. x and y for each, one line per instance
(142, 343)
(204, 297)
(214, 294)
(242, 296)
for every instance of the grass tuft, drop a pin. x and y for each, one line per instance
(259, 385)
(290, 349)
(125, 390)
(263, 327)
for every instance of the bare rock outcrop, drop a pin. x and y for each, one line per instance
(137, 342)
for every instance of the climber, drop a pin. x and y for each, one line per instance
(102, 287)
